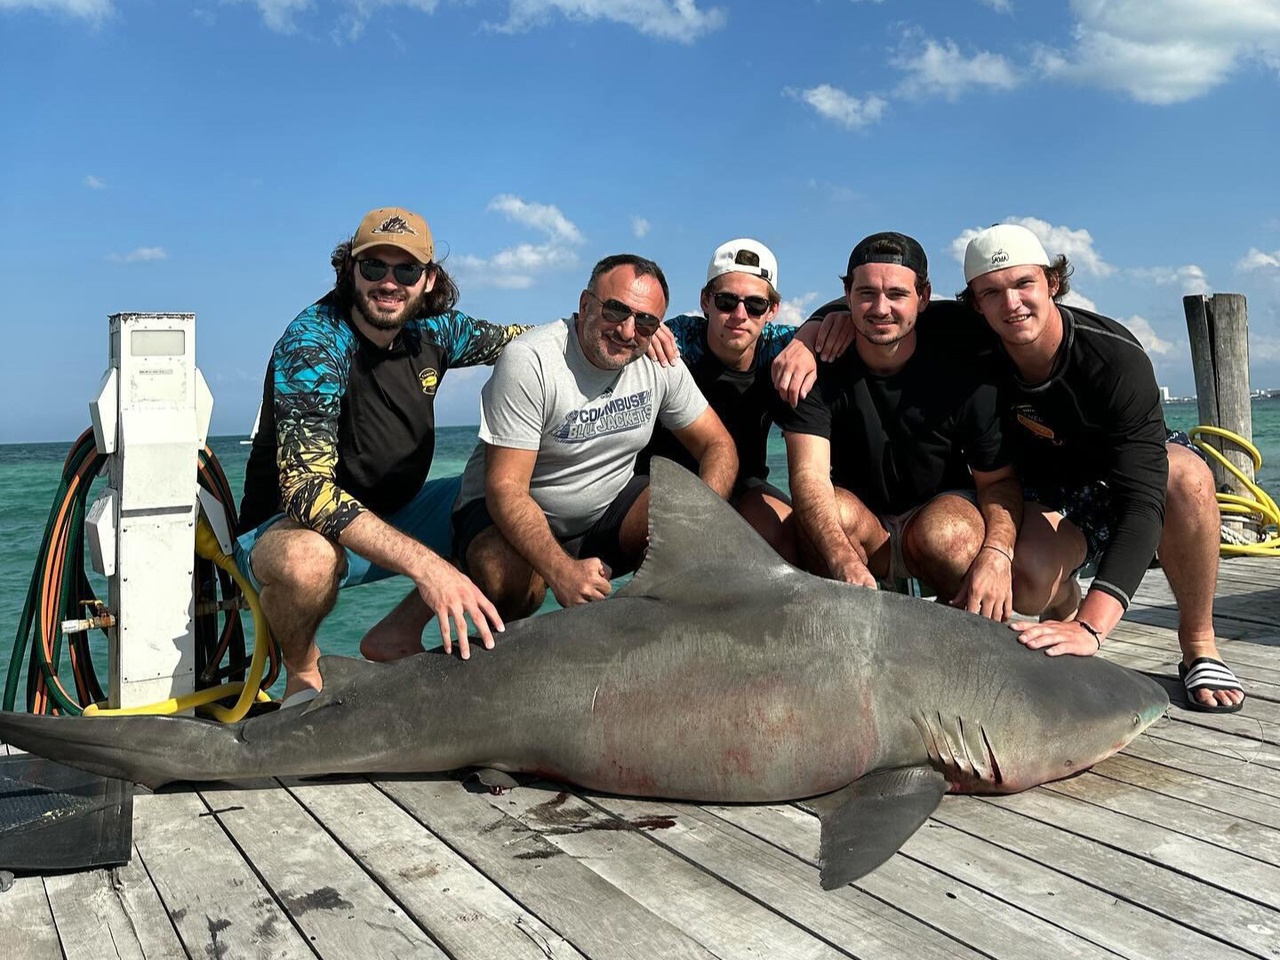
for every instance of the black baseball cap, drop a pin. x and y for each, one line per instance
(889, 247)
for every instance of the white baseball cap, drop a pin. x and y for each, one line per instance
(1004, 245)
(744, 256)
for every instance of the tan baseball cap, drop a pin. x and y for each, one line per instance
(394, 227)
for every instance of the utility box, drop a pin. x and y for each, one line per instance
(152, 418)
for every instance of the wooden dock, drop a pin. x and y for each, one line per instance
(1171, 849)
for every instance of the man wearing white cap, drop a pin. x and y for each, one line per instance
(549, 498)
(896, 461)
(1110, 481)
(336, 491)
(729, 350)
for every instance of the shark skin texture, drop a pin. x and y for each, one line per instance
(718, 674)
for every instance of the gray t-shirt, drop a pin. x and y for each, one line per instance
(587, 424)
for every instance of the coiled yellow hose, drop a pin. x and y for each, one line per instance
(249, 690)
(1258, 505)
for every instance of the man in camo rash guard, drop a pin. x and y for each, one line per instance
(336, 490)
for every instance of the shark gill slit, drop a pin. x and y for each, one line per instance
(991, 756)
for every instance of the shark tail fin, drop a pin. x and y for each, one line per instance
(147, 750)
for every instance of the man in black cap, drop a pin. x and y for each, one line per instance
(896, 460)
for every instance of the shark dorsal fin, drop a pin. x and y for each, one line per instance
(697, 538)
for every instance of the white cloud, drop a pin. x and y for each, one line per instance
(1140, 327)
(95, 10)
(278, 15)
(1256, 259)
(1074, 298)
(1263, 347)
(517, 268)
(838, 106)
(795, 310)
(543, 217)
(999, 6)
(640, 226)
(940, 69)
(1165, 51)
(1076, 244)
(140, 255)
(1191, 277)
(679, 20)
(92, 182)
(351, 24)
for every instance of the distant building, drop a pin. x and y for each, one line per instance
(1164, 394)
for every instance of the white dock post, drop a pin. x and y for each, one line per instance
(152, 417)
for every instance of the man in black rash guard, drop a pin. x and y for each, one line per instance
(896, 461)
(1104, 477)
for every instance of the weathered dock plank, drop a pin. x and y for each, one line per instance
(326, 893)
(600, 920)
(464, 911)
(119, 907)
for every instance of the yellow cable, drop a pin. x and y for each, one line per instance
(1258, 504)
(250, 690)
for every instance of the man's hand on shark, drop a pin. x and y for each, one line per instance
(582, 581)
(987, 589)
(1056, 637)
(452, 596)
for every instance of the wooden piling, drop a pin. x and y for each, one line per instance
(1218, 327)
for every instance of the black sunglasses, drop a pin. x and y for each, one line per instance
(728, 302)
(406, 274)
(615, 311)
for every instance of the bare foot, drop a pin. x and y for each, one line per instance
(1065, 603)
(399, 633)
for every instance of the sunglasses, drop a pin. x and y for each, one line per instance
(615, 311)
(406, 274)
(728, 302)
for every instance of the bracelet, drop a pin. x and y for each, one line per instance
(1000, 550)
(1092, 631)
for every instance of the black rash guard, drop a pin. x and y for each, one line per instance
(745, 400)
(1097, 418)
(898, 441)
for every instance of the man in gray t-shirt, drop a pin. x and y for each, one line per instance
(548, 497)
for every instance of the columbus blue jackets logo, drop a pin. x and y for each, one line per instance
(429, 379)
(616, 415)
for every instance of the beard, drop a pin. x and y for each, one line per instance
(380, 319)
(596, 351)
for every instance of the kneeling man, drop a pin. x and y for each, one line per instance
(896, 458)
(549, 498)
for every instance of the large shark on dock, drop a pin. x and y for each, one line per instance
(719, 674)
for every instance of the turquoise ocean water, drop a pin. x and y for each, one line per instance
(29, 476)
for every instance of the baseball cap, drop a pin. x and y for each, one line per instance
(744, 256)
(394, 227)
(912, 256)
(1004, 245)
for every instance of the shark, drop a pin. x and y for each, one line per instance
(719, 673)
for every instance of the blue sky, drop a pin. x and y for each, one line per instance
(205, 157)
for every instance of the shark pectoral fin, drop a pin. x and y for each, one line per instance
(865, 823)
(496, 782)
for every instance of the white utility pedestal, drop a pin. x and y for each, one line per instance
(152, 417)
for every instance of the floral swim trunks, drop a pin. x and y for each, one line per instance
(1090, 507)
